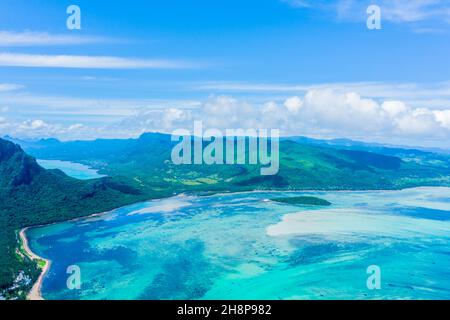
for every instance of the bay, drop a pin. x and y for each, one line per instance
(72, 169)
(245, 246)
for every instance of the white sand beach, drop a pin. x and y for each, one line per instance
(35, 292)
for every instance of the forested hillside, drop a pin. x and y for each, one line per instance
(31, 195)
(147, 162)
(141, 169)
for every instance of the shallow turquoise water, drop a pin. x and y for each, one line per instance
(72, 169)
(243, 246)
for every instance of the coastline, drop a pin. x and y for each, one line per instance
(222, 193)
(35, 292)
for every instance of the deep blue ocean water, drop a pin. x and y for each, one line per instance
(244, 246)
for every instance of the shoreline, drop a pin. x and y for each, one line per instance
(222, 193)
(35, 292)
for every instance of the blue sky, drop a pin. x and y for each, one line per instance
(155, 65)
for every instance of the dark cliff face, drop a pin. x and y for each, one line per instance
(7, 150)
(16, 167)
(26, 171)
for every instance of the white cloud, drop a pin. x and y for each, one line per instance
(4, 126)
(86, 62)
(9, 87)
(324, 113)
(99, 111)
(35, 124)
(350, 115)
(38, 128)
(32, 38)
(397, 11)
(349, 112)
(250, 87)
(414, 10)
(75, 127)
(394, 108)
(418, 122)
(443, 117)
(436, 95)
(293, 104)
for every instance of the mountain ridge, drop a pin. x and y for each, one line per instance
(140, 169)
(147, 159)
(31, 195)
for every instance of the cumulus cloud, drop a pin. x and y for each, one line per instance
(333, 110)
(37, 128)
(34, 125)
(418, 122)
(394, 108)
(352, 115)
(293, 104)
(324, 113)
(443, 117)
(432, 95)
(319, 112)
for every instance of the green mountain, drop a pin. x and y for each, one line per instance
(418, 154)
(141, 169)
(366, 146)
(31, 195)
(146, 162)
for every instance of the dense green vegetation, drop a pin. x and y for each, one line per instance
(31, 195)
(147, 162)
(141, 169)
(303, 200)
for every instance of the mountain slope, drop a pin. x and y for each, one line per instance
(429, 156)
(302, 166)
(141, 169)
(31, 195)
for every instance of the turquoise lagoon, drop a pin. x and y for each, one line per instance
(72, 169)
(244, 246)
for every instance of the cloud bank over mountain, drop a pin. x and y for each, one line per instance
(320, 113)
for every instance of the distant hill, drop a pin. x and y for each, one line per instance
(417, 154)
(367, 146)
(303, 165)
